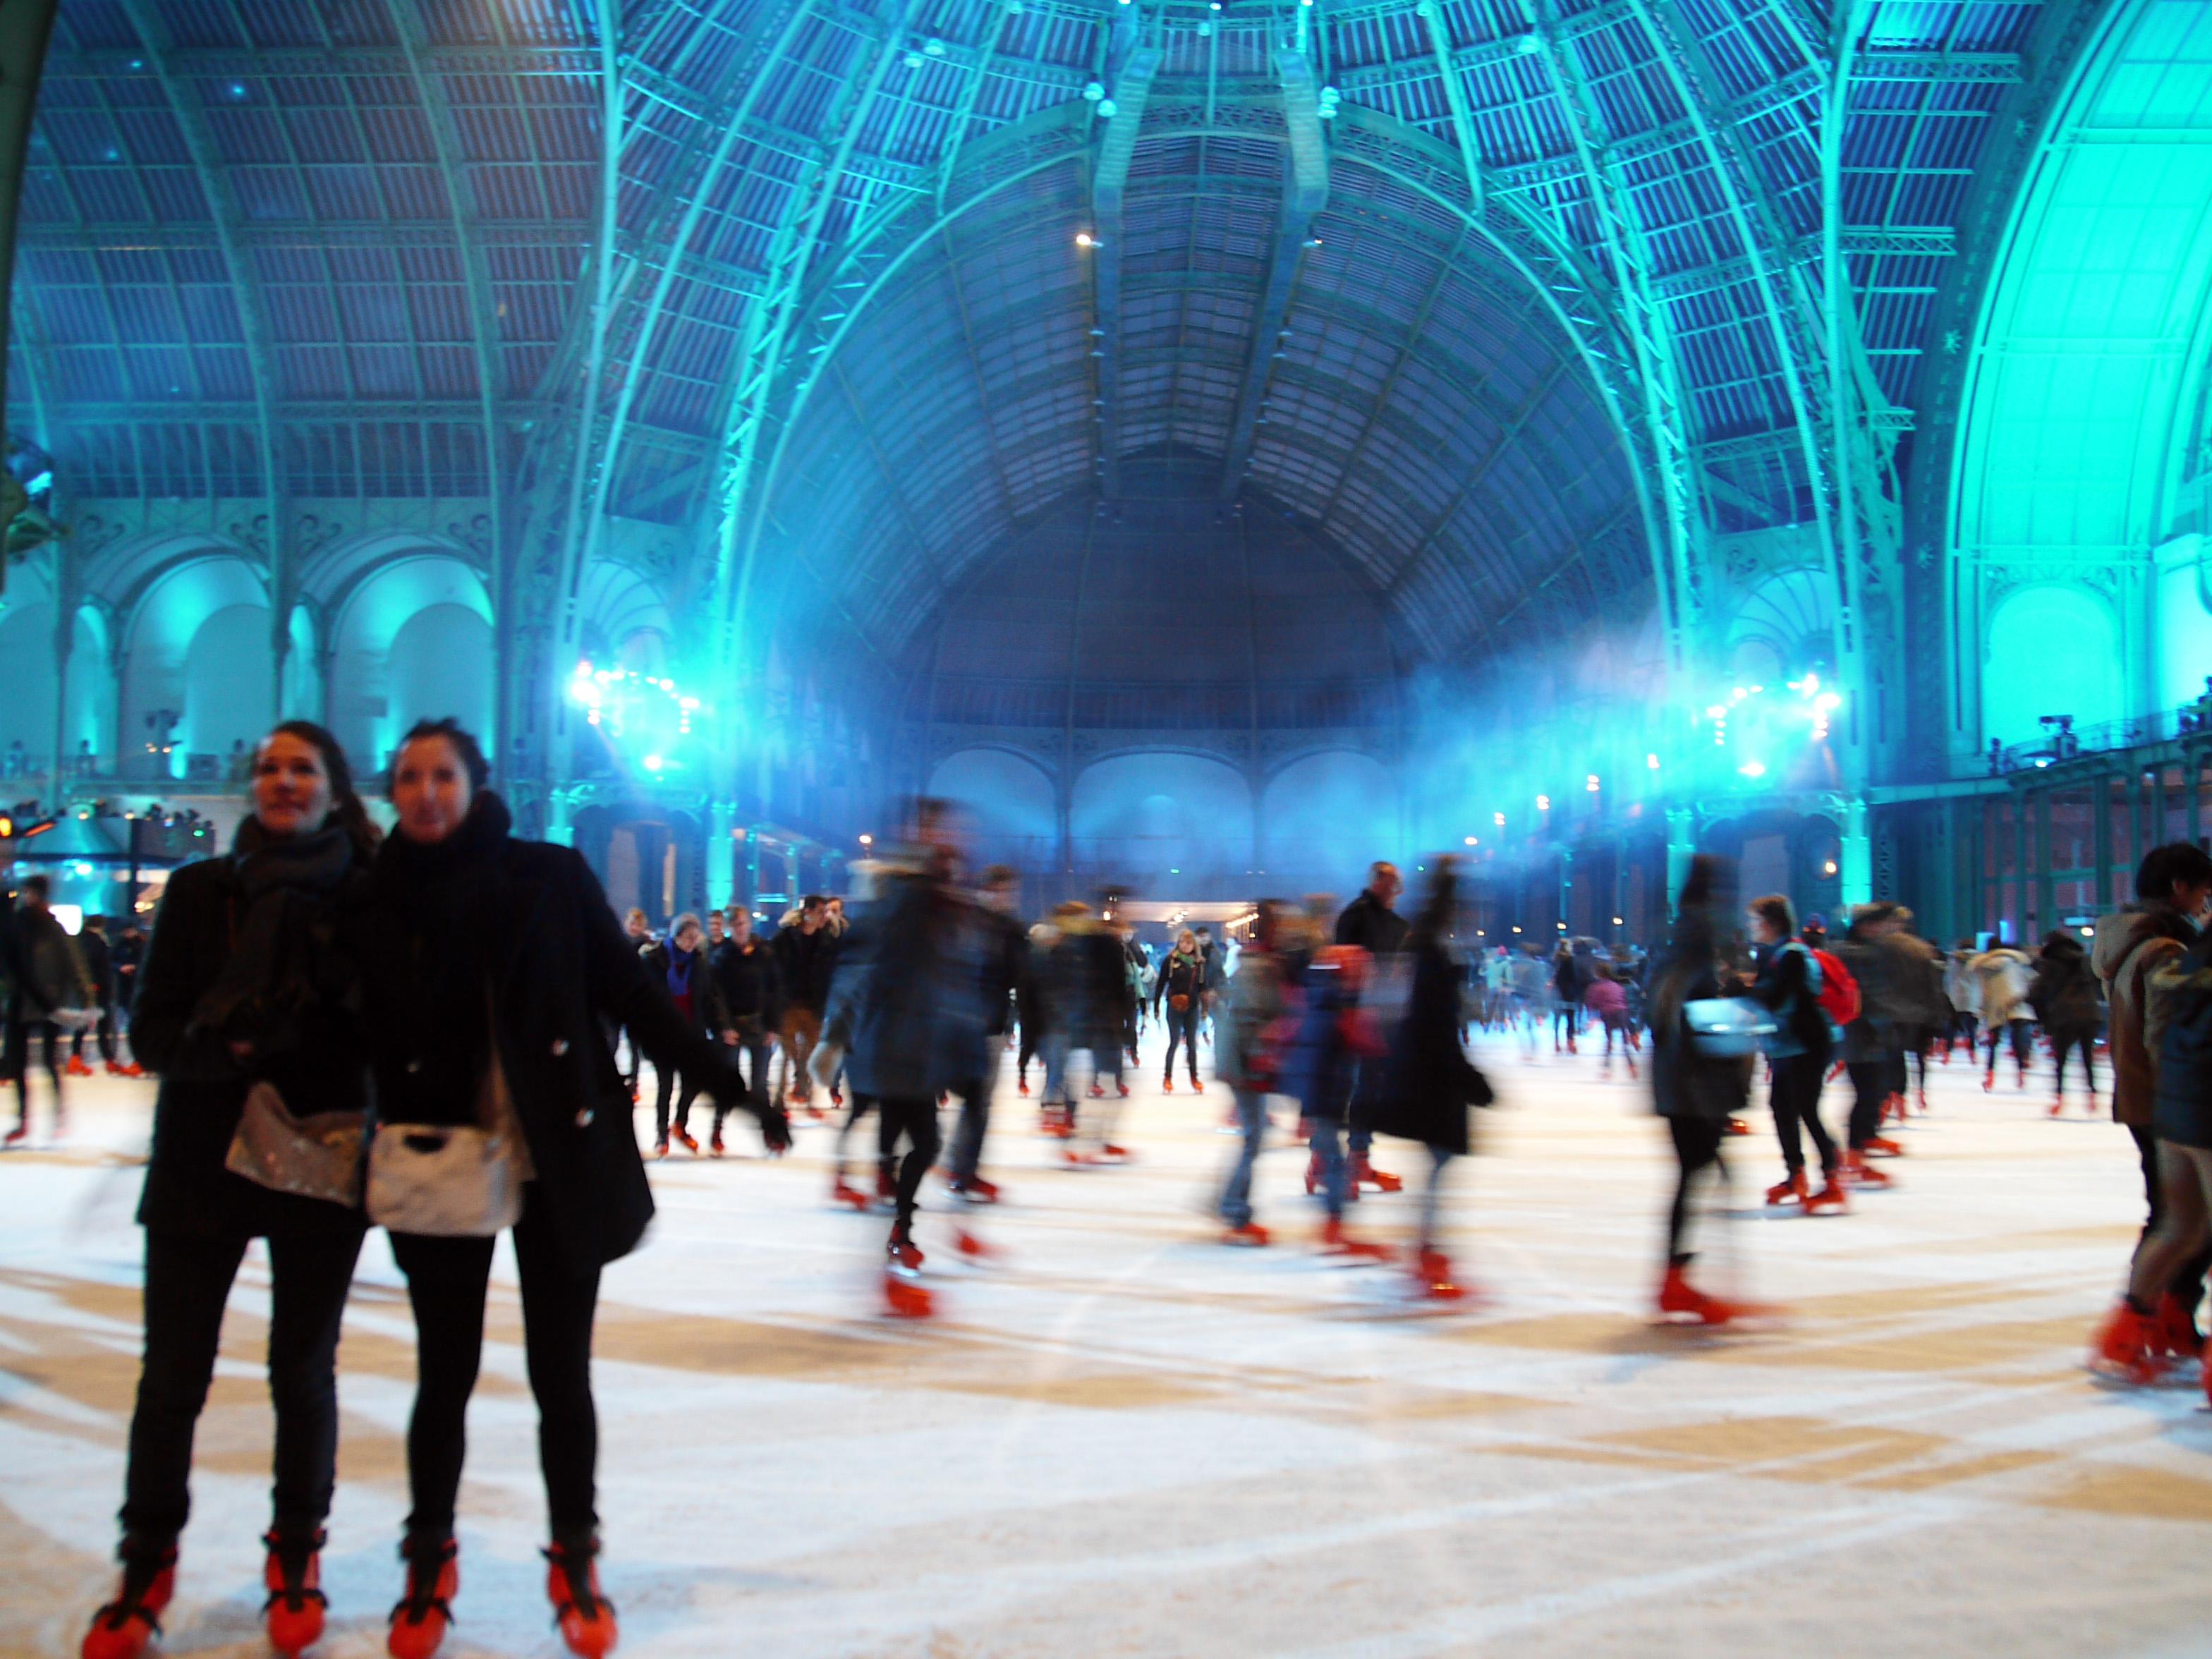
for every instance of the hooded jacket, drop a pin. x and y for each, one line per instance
(2182, 1000)
(2130, 946)
(2064, 992)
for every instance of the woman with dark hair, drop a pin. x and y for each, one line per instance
(2064, 995)
(489, 965)
(680, 961)
(1428, 1082)
(1698, 1094)
(1181, 986)
(1788, 986)
(246, 992)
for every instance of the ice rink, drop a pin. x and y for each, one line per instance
(1120, 1438)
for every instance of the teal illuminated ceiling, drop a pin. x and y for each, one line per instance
(2089, 356)
(1559, 329)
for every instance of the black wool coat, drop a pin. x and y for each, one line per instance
(1428, 1080)
(203, 1085)
(557, 966)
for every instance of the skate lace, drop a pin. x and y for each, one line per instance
(422, 1576)
(293, 1555)
(138, 1578)
(575, 1566)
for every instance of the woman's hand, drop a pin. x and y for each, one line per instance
(240, 1049)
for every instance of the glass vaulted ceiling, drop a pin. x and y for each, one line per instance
(342, 249)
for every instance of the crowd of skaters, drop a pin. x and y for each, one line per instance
(479, 988)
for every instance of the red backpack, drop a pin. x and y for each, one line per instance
(1840, 991)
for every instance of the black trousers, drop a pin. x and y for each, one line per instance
(1183, 1027)
(187, 1282)
(917, 1120)
(1870, 1087)
(15, 1059)
(446, 1279)
(2020, 1033)
(1794, 1094)
(2063, 1043)
(756, 1050)
(104, 1035)
(2187, 1284)
(975, 1123)
(667, 1086)
(1697, 1148)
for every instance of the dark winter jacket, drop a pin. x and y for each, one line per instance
(2131, 947)
(1371, 925)
(1003, 962)
(1788, 986)
(49, 973)
(906, 999)
(1087, 993)
(301, 1020)
(805, 964)
(708, 1011)
(751, 989)
(1685, 1083)
(1428, 1081)
(1334, 1036)
(2183, 989)
(92, 950)
(1869, 1038)
(1182, 975)
(2064, 991)
(520, 930)
(1243, 1056)
(128, 953)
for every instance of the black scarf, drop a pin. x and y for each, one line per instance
(432, 972)
(280, 967)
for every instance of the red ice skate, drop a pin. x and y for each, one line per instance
(1336, 1241)
(123, 1628)
(434, 1578)
(292, 1615)
(586, 1618)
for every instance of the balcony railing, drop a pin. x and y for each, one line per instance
(2069, 743)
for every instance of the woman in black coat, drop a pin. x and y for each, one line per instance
(244, 983)
(487, 962)
(1699, 1094)
(2065, 997)
(1181, 986)
(1430, 1082)
(680, 962)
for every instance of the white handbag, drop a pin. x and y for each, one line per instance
(451, 1179)
(1728, 1028)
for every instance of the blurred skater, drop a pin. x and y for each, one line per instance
(1430, 1083)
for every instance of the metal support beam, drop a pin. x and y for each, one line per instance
(24, 30)
(180, 91)
(1131, 67)
(1306, 194)
(483, 313)
(1666, 418)
(1462, 114)
(607, 454)
(758, 361)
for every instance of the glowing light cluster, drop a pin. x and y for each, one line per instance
(1761, 724)
(649, 711)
